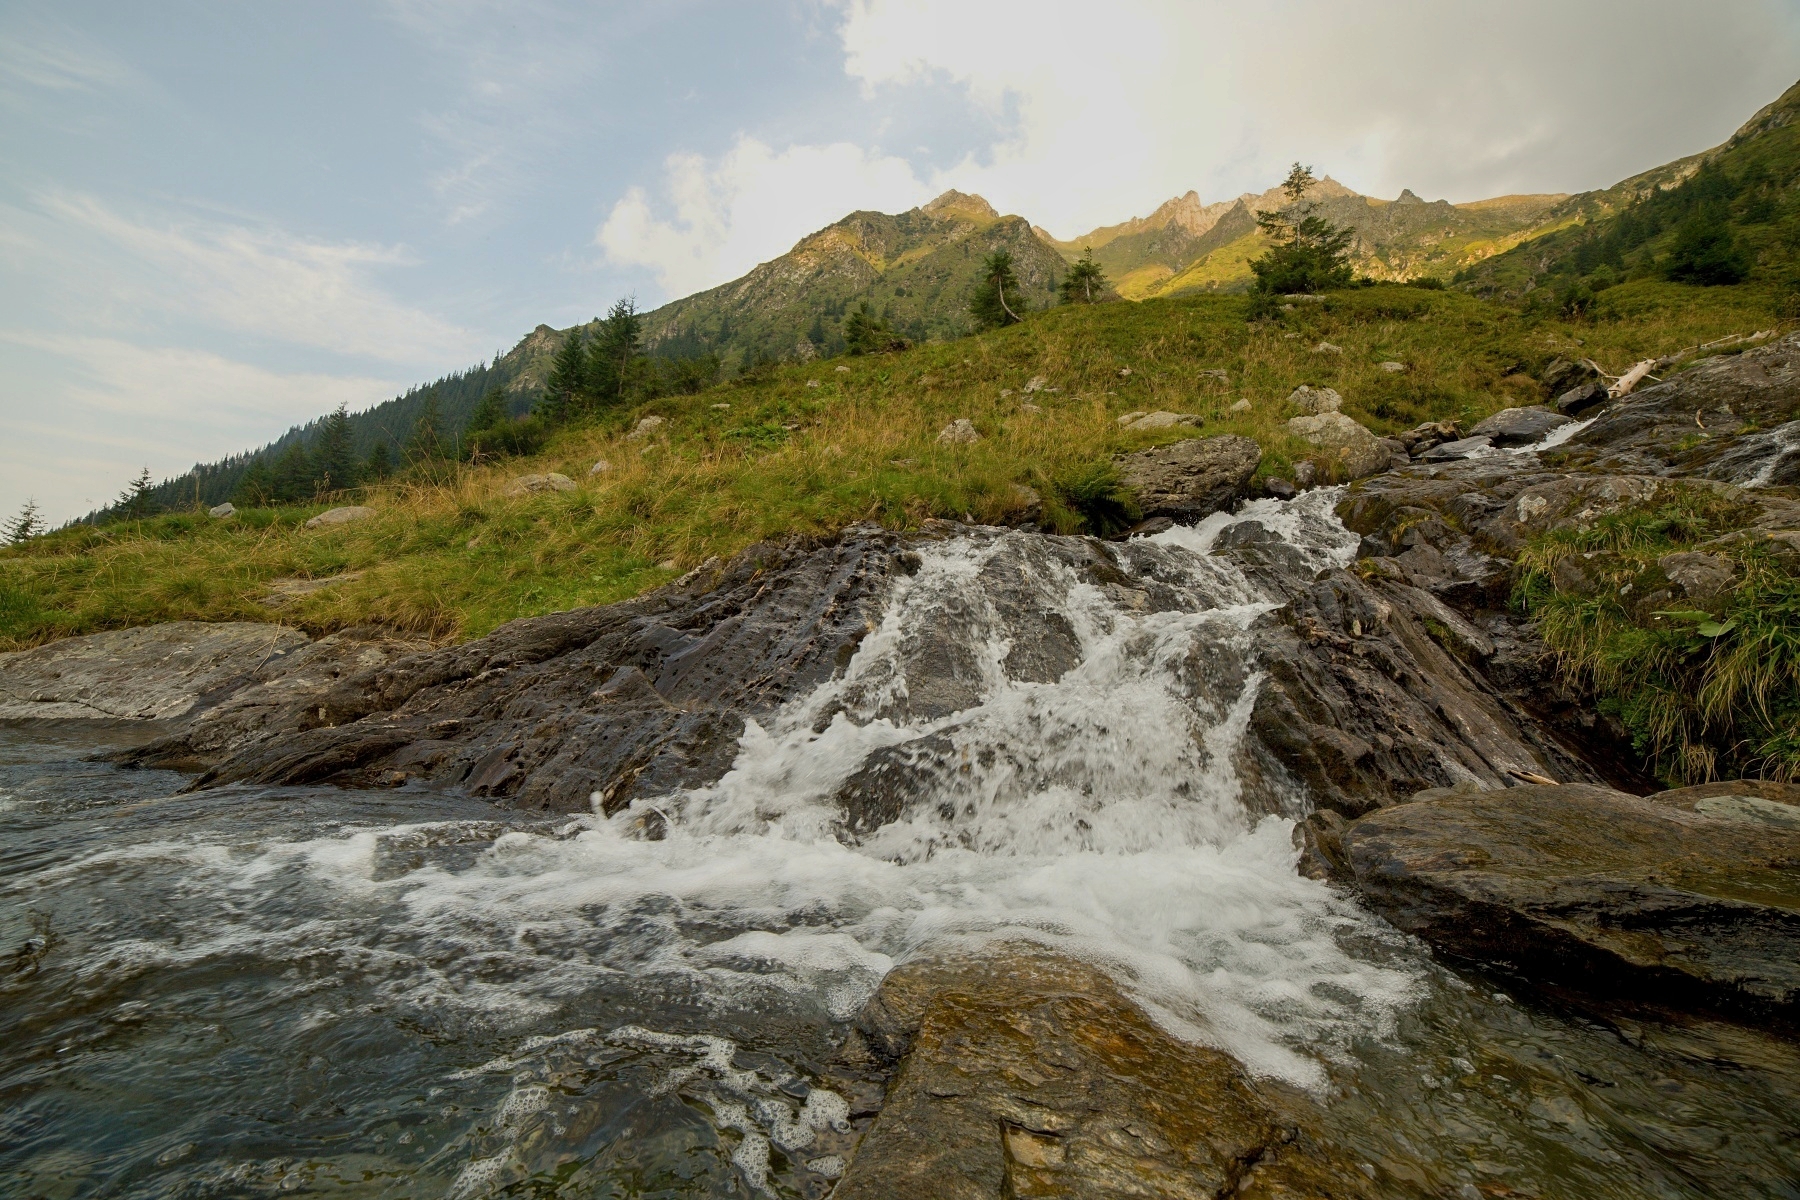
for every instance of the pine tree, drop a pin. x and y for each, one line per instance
(991, 305)
(1085, 283)
(1310, 253)
(427, 443)
(135, 501)
(294, 476)
(490, 412)
(335, 457)
(256, 486)
(614, 357)
(379, 463)
(27, 525)
(566, 380)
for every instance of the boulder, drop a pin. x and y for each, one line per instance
(341, 516)
(1128, 418)
(1239, 406)
(1691, 898)
(1163, 420)
(1193, 478)
(524, 485)
(1519, 426)
(1421, 438)
(223, 510)
(1461, 448)
(1019, 1072)
(646, 427)
(1705, 580)
(1312, 401)
(1356, 451)
(960, 432)
(1560, 375)
(1327, 348)
(1581, 398)
(600, 468)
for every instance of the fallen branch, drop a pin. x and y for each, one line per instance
(1625, 383)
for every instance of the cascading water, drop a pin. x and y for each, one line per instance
(410, 994)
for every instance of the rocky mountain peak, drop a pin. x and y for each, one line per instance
(960, 204)
(1407, 197)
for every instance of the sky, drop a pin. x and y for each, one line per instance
(220, 218)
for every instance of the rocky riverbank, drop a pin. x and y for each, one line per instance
(1403, 710)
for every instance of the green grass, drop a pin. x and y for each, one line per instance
(810, 449)
(1705, 694)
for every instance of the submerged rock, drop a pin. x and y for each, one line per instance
(1191, 479)
(1022, 1073)
(1686, 897)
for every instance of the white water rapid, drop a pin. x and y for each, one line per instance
(1102, 814)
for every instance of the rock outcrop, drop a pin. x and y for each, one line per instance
(1021, 1073)
(1348, 445)
(1191, 479)
(1690, 897)
(159, 672)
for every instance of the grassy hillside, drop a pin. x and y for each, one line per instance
(1736, 205)
(812, 447)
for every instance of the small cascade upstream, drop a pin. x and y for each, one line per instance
(412, 994)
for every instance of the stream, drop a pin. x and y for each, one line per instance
(249, 991)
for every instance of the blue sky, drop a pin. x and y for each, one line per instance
(219, 219)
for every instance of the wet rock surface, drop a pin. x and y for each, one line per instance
(1018, 1072)
(1690, 896)
(1193, 478)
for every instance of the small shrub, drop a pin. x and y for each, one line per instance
(1095, 491)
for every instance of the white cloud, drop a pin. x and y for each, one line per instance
(120, 407)
(260, 281)
(747, 207)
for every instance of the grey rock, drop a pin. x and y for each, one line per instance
(158, 672)
(1462, 448)
(341, 516)
(1421, 438)
(1191, 479)
(960, 432)
(1691, 899)
(1238, 406)
(1518, 426)
(600, 467)
(1353, 449)
(222, 510)
(525, 485)
(1392, 368)
(1704, 579)
(1312, 401)
(1581, 398)
(645, 428)
(1163, 420)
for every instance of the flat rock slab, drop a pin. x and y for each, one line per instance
(1519, 426)
(1022, 1073)
(159, 672)
(1191, 479)
(1691, 897)
(346, 515)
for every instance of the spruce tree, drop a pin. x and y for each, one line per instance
(1310, 254)
(567, 379)
(27, 525)
(866, 333)
(256, 486)
(1085, 283)
(490, 412)
(427, 445)
(335, 458)
(996, 299)
(614, 358)
(135, 501)
(379, 463)
(294, 477)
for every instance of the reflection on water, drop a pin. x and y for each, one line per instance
(416, 994)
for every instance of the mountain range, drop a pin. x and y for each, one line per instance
(916, 269)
